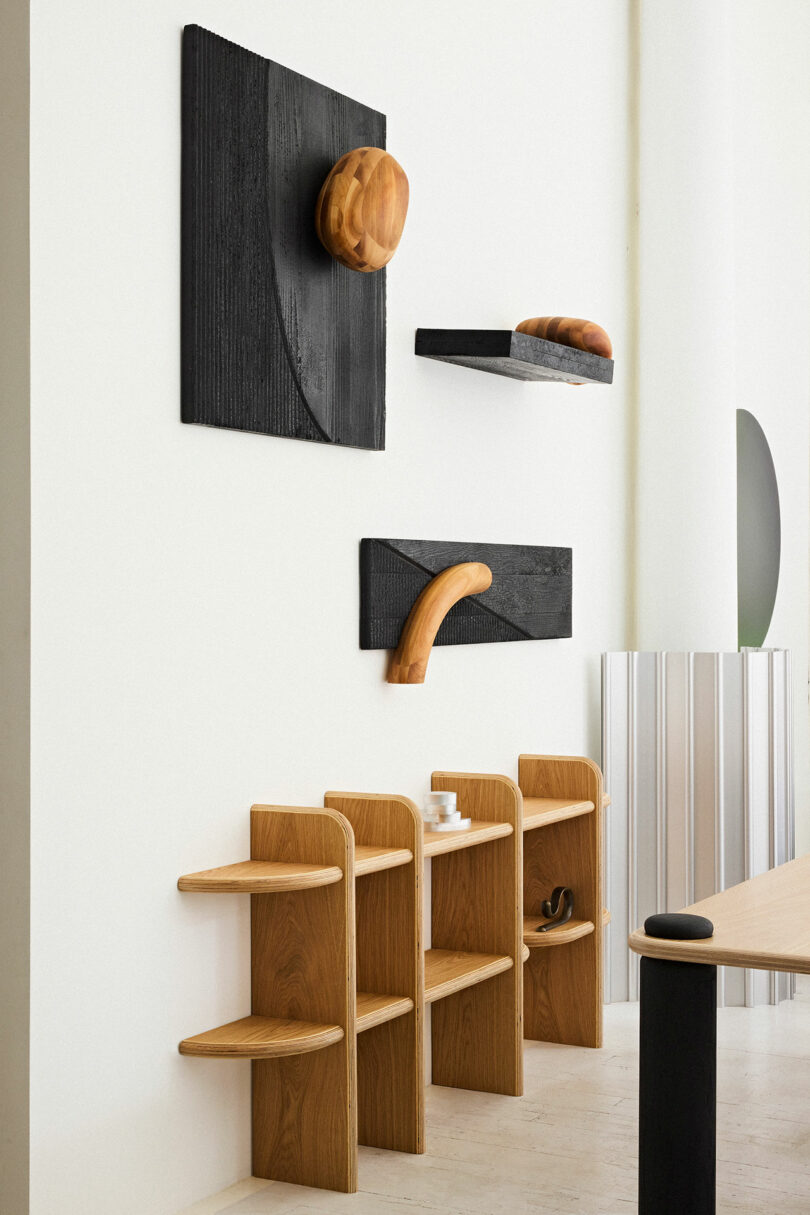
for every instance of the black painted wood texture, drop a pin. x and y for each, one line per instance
(277, 336)
(677, 1088)
(530, 596)
(517, 355)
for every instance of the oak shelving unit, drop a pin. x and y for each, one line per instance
(340, 979)
(301, 1034)
(477, 909)
(388, 941)
(563, 799)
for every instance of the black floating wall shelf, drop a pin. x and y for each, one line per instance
(506, 352)
(529, 599)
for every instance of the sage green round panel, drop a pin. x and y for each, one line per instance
(759, 532)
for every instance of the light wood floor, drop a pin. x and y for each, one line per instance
(569, 1145)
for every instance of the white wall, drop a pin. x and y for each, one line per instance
(195, 591)
(686, 505)
(724, 318)
(771, 52)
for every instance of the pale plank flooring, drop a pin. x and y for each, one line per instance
(568, 1147)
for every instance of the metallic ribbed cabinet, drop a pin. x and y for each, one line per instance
(697, 752)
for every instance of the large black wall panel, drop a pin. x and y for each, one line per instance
(277, 336)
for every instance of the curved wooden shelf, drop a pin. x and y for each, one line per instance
(261, 1038)
(571, 931)
(368, 859)
(374, 1010)
(437, 842)
(260, 877)
(448, 971)
(542, 811)
(526, 953)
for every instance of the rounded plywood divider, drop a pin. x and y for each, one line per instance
(759, 532)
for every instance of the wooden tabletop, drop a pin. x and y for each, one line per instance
(764, 923)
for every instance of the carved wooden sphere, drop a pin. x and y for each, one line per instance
(361, 209)
(569, 331)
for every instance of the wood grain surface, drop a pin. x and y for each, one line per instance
(368, 859)
(448, 971)
(390, 1056)
(303, 968)
(571, 931)
(437, 842)
(762, 923)
(276, 336)
(569, 331)
(410, 659)
(477, 907)
(375, 1010)
(530, 597)
(261, 1038)
(260, 877)
(563, 986)
(361, 209)
(543, 811)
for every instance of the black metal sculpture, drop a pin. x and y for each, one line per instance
(558, 909)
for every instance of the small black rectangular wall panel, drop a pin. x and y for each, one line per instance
(277, 336)
(530, 596)
(520, 356)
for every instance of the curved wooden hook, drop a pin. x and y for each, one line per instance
(410, 659)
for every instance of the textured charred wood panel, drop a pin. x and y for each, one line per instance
(516, 355)
(277, 336)
(529, 600)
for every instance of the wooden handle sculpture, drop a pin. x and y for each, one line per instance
(569, 331)
(361, 209)
(410, 659)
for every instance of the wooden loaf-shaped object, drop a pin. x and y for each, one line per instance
(569, 331)
(361, 209)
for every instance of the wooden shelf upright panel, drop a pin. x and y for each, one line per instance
(563, 986)
(302, 949)
(390, 1066)
(477, 1032)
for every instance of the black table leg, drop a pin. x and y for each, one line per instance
(677, 1088)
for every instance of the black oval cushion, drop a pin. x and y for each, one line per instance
(676, 926)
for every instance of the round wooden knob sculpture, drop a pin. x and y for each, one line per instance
(410, 659)
(361, 209)
(569, 331)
